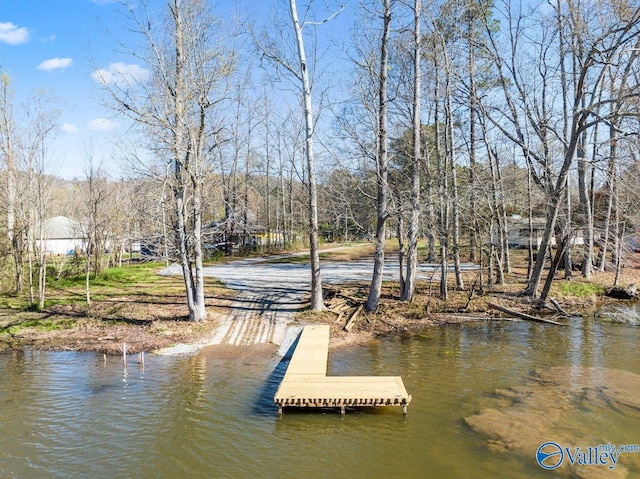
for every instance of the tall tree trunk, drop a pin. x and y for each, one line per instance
(443, 185)
(283, 199)
(451, 153)
(30, 256)
(400, 233)
(566, 233)
(612, 167)
(619, 242)
(87, 273)
(42, 253)
(566, 251)
(473, 233)
(496, 213)
(375, 289)
(199, 308)
(316, 280)
(531, 253)
(585, 210)
(245, 194)
(408, 291)
(186, 159)
(267, 202)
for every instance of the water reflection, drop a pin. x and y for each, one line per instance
(212, 415)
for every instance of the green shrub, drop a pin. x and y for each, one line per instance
(580, 289)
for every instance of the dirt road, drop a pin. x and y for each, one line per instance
(271, 292)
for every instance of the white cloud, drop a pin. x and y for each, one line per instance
(101, 124)
(55, 64)
(12, 34)
(69, 128)
(120, 74)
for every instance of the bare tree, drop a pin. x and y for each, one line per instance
(382, 160)
(174, 104)
(303, 75)
(408, 291)
(300, 69)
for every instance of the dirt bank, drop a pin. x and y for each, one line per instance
(104, 328)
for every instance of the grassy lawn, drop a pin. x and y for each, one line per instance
(132, 302)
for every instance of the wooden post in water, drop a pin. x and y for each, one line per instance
(124, 355)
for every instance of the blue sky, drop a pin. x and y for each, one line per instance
(57, 45)
(51, 44)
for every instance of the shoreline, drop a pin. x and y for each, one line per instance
(97, 337)
(110, 339)
(159, 325)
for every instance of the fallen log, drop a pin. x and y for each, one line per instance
(478, 318)
(353, 318)
(559, 308)
(342, 308)
(520, 315)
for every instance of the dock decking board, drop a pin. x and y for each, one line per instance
(306, 384)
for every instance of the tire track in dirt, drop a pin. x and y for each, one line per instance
(256, 318)
(269, 295)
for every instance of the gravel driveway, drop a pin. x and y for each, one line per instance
(270, 293)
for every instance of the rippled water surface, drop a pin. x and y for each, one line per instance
(73, 415)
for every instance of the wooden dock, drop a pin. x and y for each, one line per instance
(306, 384)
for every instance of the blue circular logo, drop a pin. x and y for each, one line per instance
(550, 455)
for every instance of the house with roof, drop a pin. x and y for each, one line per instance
(63, 236)
(521, 231)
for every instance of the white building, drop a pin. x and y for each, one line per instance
(63, 236)
(519, 233)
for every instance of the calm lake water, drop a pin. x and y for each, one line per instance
(485, 395)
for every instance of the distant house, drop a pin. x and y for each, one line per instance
(518, 228)
(63, 236)
(518, 232)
